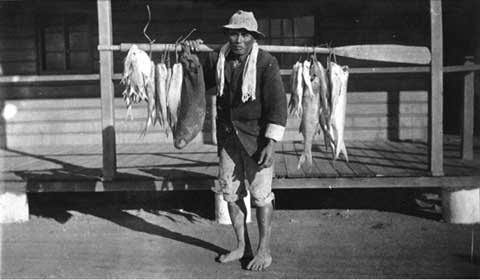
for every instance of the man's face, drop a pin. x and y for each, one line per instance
(240, 40)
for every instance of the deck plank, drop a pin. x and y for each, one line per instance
(322, 160)
(356, 162)
(406, 157)
(341, 166)
(280, 167)
(211, 160)
(310, 170)
(400, 165)
(384, 158)
(370, 159)
(291, 158)
(417, 150)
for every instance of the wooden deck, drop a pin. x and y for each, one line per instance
(161, 167)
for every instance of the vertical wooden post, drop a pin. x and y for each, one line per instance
(104, 9)
(476, 36)
(468, 112)
(435, 135)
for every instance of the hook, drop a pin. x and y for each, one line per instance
(168, 57)
(181, 40)
(332, 52)
(305, 52)
(176, 52)
(188, 35)
(145, 30)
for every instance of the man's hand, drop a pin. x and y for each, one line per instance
(194, 44)
(266, 156)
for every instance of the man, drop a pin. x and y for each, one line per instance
(251, 118)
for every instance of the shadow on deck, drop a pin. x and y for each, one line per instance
(69, 177)
(372, 164)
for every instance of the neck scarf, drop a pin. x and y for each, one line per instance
(249, 72)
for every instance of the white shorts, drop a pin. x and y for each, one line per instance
(237, 169)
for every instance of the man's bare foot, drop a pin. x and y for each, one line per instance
(260, 262)
(232, 256)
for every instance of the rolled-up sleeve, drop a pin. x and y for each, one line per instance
(274, 101)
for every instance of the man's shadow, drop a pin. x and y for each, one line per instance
(40, 203)
(86, 204)
(132, 222)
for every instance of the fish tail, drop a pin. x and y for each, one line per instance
(305, 157)
(129, 112)
(344, 151)
(158, 119)
(326, 141)
(341, 149)
(143, 133)
(154, 116)
(147, 124)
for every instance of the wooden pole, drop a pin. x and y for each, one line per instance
(435, 135)
(378, 52)
(105, 36)
(468, 112)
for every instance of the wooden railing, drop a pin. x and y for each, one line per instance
(469, 67)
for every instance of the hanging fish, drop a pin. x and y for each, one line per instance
(151, 100)
(192, 109)
(296, 83)
(161, 76)
(174, 94)
(339, 82)
(306, 78)
(300, 89)
(137, 74)
(324, 106)
(309, 122)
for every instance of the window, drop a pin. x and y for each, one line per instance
(64, 43)
(298, 31)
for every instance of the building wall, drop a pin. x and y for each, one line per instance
(376, 108)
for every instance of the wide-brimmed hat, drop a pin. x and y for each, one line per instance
(244, 20)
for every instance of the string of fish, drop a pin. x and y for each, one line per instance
(318, 99)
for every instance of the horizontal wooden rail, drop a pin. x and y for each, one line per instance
(360, 70)
(48, 78)
(461, 68)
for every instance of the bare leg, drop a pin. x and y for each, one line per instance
(263, 259)
(238, 211)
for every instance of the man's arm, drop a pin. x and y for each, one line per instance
(275, 110)
(274, 101)
(209, 63)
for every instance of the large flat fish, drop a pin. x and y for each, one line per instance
(339, 82)
(192, 109)
(296, 88)
(309, 122)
